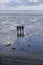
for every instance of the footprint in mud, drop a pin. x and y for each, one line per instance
(14, 48)
(8, 45)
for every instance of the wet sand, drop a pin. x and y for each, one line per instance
(28, 48)
(21, 59)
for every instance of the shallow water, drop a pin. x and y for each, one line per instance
(31, 45)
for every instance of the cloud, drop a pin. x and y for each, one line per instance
(4, 1)
(14, 3)
(21, 4)
(33, 0)
(38, 7)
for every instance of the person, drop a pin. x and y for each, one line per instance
(17, 30)
(22, 30)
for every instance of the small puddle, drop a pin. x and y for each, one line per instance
(35, 38)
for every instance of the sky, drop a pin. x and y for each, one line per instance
(21, 4)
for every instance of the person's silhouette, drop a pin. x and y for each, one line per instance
(17, 30)
(22, 30)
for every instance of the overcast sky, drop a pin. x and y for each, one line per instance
(21, 4)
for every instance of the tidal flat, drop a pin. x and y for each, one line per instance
(29, 46)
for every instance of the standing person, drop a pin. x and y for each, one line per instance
(17, 30)
(22, 30)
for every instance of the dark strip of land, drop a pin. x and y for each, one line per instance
(20, 59)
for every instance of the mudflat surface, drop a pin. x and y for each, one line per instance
(29, 46)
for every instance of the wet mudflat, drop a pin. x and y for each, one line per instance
(6, 62)
(29, 46)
